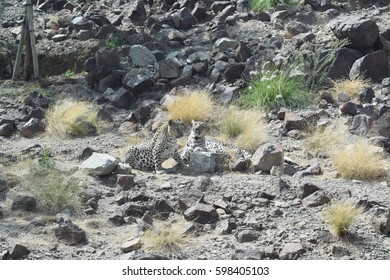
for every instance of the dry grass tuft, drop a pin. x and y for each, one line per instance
(360, 160)
(350, 86)
(73, 118)
(245, 128)
(323, 140)
(194, 105)
(341, 215)
(165, 238)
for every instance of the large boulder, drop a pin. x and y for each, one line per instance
(361, 32)
(374, 66)
(267, 156)
(99, 164)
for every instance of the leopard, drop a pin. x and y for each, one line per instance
(151, 153)
(197, 141)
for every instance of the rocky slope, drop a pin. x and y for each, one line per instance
(132, 56)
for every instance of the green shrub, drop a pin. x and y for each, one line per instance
(263, 5)
(44, 165)
(69, 73)
(275, 90)
(114, 41)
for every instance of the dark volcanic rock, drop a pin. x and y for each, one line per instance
(373, 66)
(32, 127)
(345, 58)
(70, 234)
(24, 202)
(184, 19)
(201, 213)
(138, 84)
(361, 32)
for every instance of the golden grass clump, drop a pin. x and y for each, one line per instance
(360, 160)
(245, 128)
(323, 140)
(341, 216)
(194, 105)
(73, 118)
(165, 238)
(350, 86)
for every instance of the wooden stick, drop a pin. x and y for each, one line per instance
(19, 53)
(30, 20)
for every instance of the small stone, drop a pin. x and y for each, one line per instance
(291, 251)
(32, 127)
(205, 162)
(70, 233)
(201, 213)
(266, 157)
(19, 251)
(316, 199)
(247, 235)
(131, 245)
(226, 43)
(339, 252)
(24, 202)
(294, 121)
(381, 221)
(125, 182)
(306, 190)
(142, 56)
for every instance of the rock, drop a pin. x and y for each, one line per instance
(307, 189)
(300, 39)
(226, 43)
(361, 124)
(38, 221)
(247, 254)
(19, 251)
(291, 251)
(116, 217)
(205, 162)
(199, 11)
(122, 99)
(201, 213)
(99, 164)
(137, 12)
(317, 198)
(267, 156)
(381, 221)
(361, 32)
(3, 181)
(339, 252)
(366, 95)
(5, 255)
(243, 52)
(380, 141)
(189, 199)
(131, 245)
(349, 108)
(247, 235)
(345, 58)
(225, 227)
(145, 223)
(381, 126)
(32, 127)
(125, 182)
(184, 19)
(24, 202)
(142, 56)
(314, 169)
(319, 5)
(70, 233)
(59, 37)
(163, 208)
(294, 121)
(6, 130)
(138, 84)
(373, 66)
(234, 72)
(169, 68)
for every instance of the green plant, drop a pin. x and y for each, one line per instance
(193, 105)
(263, 5)
(44, 165)
(69, 73)
(114, 41)
(341, 216)
(275, 89)
(4, 160)
(56, 192)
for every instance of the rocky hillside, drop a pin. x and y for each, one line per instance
(68, 195)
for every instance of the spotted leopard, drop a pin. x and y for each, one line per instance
(197, 142)
(151, 153)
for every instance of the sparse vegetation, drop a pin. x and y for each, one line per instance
(73, 118)
(341, 216)
(360, 160)
(55, 191)
(350, 86)
(274, 90)
(4, 160)
(194, 105)
(114, 41)
(246, 128)
(165, 238)
(264, 5)
(69, 73)
(323, 140)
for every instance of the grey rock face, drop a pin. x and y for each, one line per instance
(373, 66)
(267, 156)
(70, 233)
(99, 164)
(205, 162)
